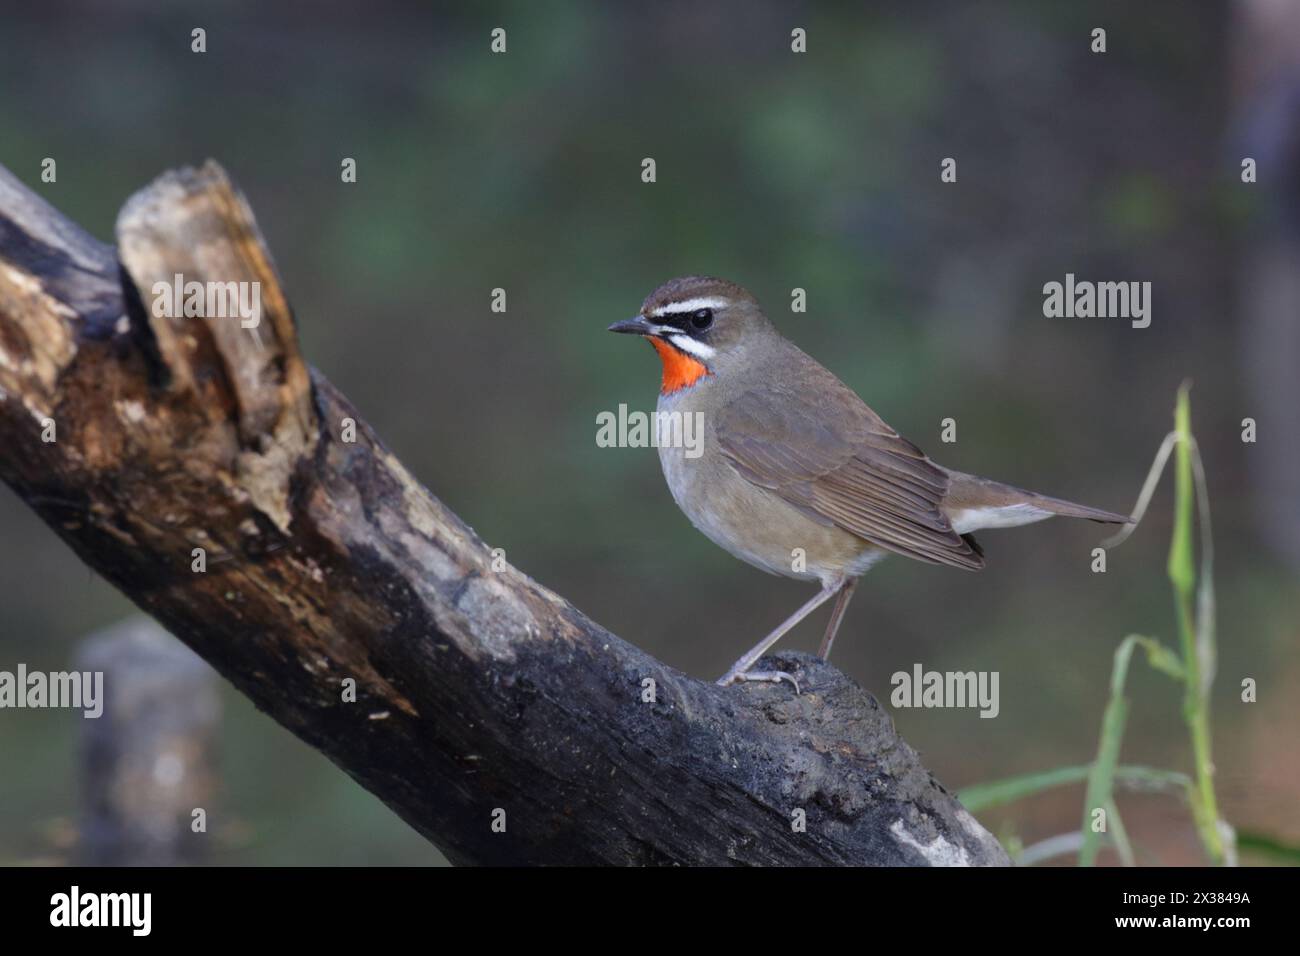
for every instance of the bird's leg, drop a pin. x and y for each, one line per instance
(741, 669)
(837, 615)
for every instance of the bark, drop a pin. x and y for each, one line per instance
(481, 698)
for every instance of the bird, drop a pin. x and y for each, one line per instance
(795, 474)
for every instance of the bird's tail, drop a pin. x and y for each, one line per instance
(978, 502)
(1068, 509)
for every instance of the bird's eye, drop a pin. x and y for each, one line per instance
(702, 319)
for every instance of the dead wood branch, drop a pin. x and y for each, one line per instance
(476, 691)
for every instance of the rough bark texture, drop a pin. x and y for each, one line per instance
(477, 690)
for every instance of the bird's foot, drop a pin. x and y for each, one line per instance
(773, 676)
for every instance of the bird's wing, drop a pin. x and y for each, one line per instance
(824, 451)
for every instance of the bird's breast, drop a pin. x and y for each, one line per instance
(752, 523)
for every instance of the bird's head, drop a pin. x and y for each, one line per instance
(699, 325)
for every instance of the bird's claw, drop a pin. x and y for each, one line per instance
(773, 676)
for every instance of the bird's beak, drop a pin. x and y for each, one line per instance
(637, 325)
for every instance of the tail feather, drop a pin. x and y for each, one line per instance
(973, 503)
(1068, 509)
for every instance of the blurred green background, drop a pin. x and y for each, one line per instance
(777, 170)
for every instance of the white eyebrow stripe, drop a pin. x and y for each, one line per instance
(689, 305)
(689, 345)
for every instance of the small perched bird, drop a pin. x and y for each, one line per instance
(796, 475)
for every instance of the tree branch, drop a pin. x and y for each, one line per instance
(476, 690)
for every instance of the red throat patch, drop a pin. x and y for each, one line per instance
(680, 370)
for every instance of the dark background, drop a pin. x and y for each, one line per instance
(776, 170)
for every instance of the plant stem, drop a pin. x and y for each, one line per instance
(1182, 574)
(1099, 792)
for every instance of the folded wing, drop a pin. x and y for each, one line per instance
(821, 449)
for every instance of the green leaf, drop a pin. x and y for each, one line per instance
(1252, 841)
(983, 796)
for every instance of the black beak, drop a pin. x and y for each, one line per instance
(637, 325)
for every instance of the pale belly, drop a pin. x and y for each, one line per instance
(756, 525)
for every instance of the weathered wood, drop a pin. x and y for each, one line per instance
(478, 690)
(149, 761)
